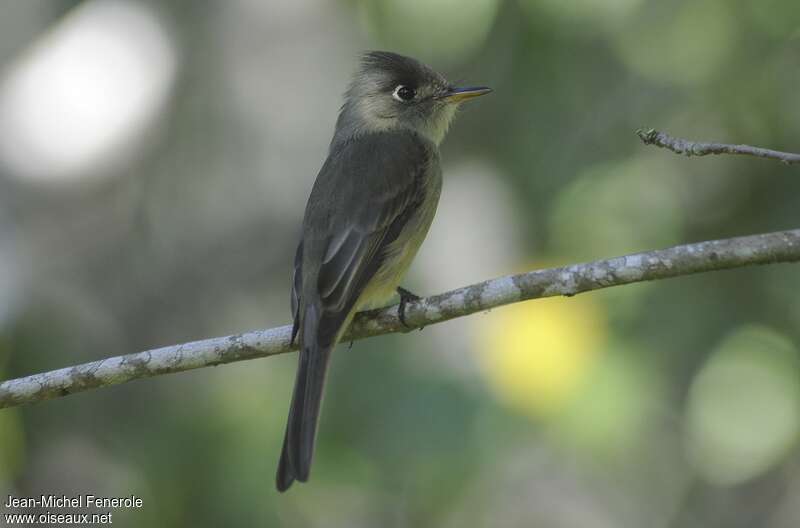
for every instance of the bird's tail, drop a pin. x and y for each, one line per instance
(301, 427)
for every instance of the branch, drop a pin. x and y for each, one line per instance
(651, 136)
(783, 246)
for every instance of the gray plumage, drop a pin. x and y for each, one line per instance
(369, 210)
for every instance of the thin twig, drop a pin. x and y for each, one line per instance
(687, 259)
(697, 148)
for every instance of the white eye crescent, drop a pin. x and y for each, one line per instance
(404, 93)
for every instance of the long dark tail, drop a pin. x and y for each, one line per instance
(301, 427)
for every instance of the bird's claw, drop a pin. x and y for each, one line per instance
(405, 297)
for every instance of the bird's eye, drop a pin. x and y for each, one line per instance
(404, 93)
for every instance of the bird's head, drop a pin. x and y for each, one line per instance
(393, 92)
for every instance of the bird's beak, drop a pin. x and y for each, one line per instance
(458, 95)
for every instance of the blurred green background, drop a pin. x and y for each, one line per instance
(155, 159)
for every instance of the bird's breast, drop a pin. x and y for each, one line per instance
(401, 252)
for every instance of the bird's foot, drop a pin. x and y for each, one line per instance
(405, 297)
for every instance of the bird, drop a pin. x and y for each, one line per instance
(369, 210)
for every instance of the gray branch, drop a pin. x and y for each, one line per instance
(697, 148)
(783, 246)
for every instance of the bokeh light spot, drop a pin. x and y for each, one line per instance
(744, 406)
(88, 87)
(535, 355)
(617, 208)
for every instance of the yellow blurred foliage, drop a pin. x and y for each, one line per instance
(535, 355)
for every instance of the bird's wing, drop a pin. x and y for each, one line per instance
(381, 178)
(297, 286)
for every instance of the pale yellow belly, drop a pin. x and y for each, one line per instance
(399, 256)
